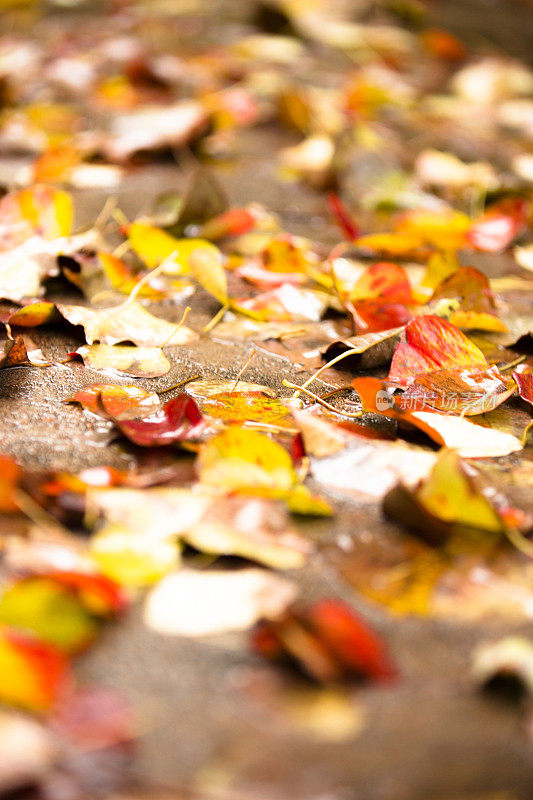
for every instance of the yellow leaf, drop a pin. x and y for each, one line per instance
(153, 246)
(239, 458)
(451, 495)
(206, 267)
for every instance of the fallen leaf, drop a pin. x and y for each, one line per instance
(251, 528)
(28, 751)
(370, 350)
(206, 267)
(108, 400)
(14, 353)
(32, 315)
(54, 611)
(327, 641)
(506, 660)
(200, 603)
(524, 381)
(456, 432)
(458, 391)
(180, 420)
(239, 458)
(153, 128)
(141, 362)
(127, 322)
(432, 343)
(33, 674)
(448, 503)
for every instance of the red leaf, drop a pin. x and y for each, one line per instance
(373, 316)
(32, 674)
(524, 381)
(354, 643)
(432, 343)
(327, 641)
(98, 594)
(343, 217)
(178, 421)
(234, 222)
(497, 229)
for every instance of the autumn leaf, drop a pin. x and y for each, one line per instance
(10, 474)
(180, 420)
(458, 391)
(141, 362)
(431, 343)
(450, 503)
(456, 432)
(370, 350)
(156, 247)
(343, 217)
(384, 280)
(497, 229)
(471, 302)
(327, 641)
(127, 322)
(45, 609)
(115, 401)
(252, 528)
(237, 599)
(238, 459)
(33, 315)
(33, 674)
(132, 559)
(524, 381)
(240, 403)
(206, 267)
(14, 353)
(153, 127)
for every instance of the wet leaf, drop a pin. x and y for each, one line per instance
(115, 401)
(156, 247)
(251, 528)
(42, 607)
(448, 503)
(432, 343)
(14, 353)
(206, 267)
(524, 381)
(33, 674)
(195, 603)
(458, 391)
(141, 362)
(468, 439)
(133, 559)
(239, 458)
(371, 350)
(180, 420)
(327, 641)
(32, 315)
(127, 322)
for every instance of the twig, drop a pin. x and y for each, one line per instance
(243, 370)
(321, 401)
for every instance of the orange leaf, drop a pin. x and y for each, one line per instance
(32, 674)
(116, 401)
